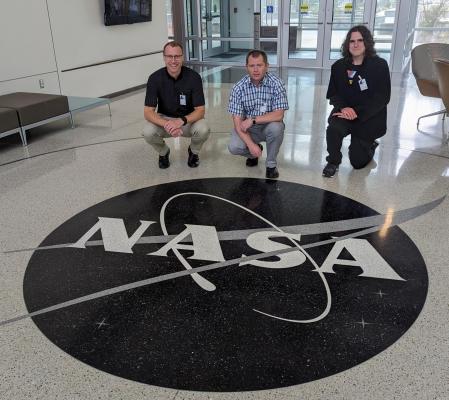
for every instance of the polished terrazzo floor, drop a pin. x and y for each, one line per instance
(63, 172)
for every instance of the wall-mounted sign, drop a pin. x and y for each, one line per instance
(304, 9)
(270, 9)
(348, 8)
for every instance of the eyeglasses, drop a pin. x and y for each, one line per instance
(352, 41)
(176, 57)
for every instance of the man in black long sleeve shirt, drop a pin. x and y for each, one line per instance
(359, 90)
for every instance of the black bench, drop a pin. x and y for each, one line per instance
(9, 123)
(32, 109)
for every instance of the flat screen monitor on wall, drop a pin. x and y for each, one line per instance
(117, 12)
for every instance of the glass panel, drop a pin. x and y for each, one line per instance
(216, 30)
(269, 17)
(345, 14)
(191, 49)
(234, 51)
(204, 17)
(432, 22)
(215, 21)
(169, 19)
(384, 25)
(211, 25)
(303, 30)
(271, 49)
(189, 18)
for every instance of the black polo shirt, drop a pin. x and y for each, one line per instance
(174, 97)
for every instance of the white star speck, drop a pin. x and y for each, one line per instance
(363, 323)
(101, 324)
(380, 293)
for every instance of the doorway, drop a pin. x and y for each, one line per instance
(313, 30)
(297, 33)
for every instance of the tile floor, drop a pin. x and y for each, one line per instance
(64, 172)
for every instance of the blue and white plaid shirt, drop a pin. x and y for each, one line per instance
(248, 100)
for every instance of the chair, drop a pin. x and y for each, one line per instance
(424, 71)
(442, 68)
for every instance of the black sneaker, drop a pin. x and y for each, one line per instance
(193, 161)
(272, 173)
(164, 161)
(330, 170)
(252, 162)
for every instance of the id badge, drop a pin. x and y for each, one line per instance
(263, 108)
(182, 100)
(363, 85)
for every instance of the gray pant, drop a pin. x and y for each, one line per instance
(271, 133)
(154, 135)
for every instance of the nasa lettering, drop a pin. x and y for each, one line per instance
(227, 284)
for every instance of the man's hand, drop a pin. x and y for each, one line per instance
(346, 113)
(176, 132)
(246, 124)
(254, 149)
(173, 127)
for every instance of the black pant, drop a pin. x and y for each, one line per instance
(361, 149)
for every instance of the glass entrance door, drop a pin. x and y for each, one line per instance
(211, 11)
(298, 33)
(315, 29)
(340, 17)
(303, 32)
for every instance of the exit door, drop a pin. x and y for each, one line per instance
(314, 30)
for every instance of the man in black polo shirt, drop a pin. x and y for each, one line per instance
(177, 93)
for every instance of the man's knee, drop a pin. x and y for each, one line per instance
(151, 132)
(274, 130)
(360, 156)
(235, 149)
(358, 163)
(200, 130)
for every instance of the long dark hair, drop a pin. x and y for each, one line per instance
(368, 40)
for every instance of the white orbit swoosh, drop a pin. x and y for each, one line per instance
(207, 285)
(372, 224)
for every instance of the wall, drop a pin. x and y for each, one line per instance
(241, 23)
(59, 40)
(26, 49)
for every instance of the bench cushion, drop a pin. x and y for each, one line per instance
(35, 107)
(8, 120)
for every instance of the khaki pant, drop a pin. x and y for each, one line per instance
(198, 132)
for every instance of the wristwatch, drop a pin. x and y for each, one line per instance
(184, 119)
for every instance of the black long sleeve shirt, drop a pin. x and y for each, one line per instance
(344, 90)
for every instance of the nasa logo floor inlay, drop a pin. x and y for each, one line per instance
(227, 284)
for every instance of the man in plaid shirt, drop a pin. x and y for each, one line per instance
(257, 104)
